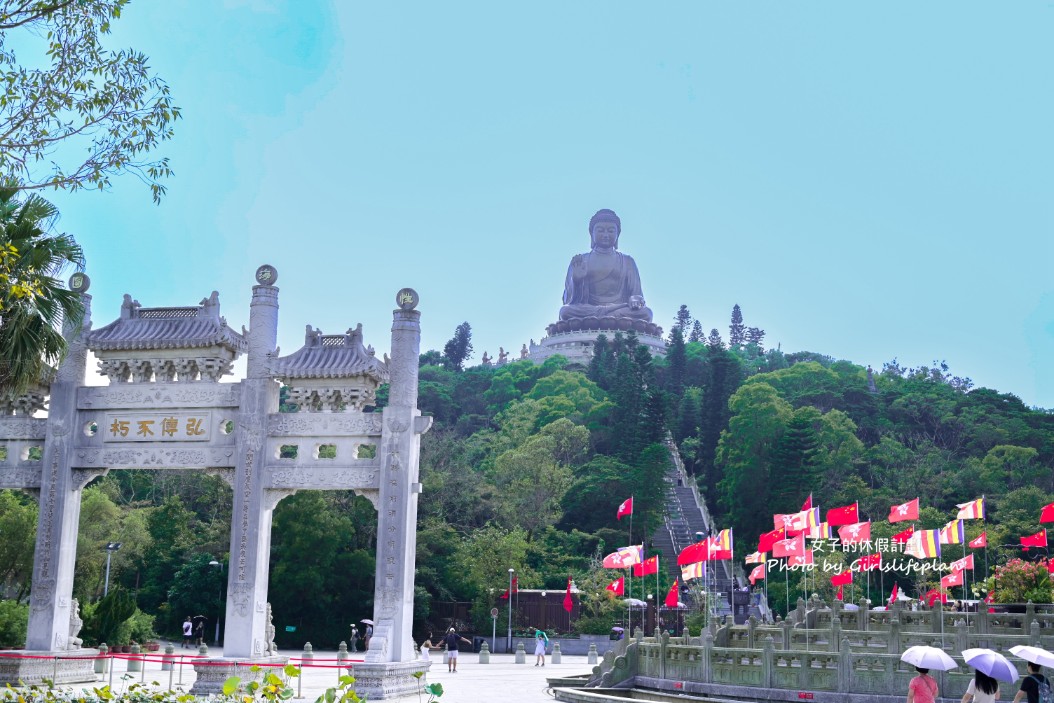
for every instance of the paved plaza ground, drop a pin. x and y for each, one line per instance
(500, 680)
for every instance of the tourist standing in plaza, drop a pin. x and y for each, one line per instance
(188, 632)
(922, 689)
(541, 640)
(983, 689)
(451, 641)
(1035, 686)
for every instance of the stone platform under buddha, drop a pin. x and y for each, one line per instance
(578, 346)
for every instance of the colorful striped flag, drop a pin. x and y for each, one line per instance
(924, 544)
(756, 558)
(624, 557)
(953, 533)
(693, 571)
(974, 510)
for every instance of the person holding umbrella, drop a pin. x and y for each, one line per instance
(1035, 687)
(368, 634)
(983, 689)
(923, 689)
(991, 668)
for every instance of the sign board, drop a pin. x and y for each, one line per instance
(290, 628)
(494, 613)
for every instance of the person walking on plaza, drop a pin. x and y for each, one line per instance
(1035, 686)
(983, 689)
(922, 689)
(426, 647)
(354, 639)
(451, 641)
(188, 632)
(541, 640)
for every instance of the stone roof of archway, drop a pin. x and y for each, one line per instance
(331, 356)
(144, 329)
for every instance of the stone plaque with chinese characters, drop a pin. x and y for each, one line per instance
(157, 427)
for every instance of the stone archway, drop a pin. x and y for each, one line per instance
(166, 408)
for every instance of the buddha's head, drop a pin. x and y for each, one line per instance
(604, 229)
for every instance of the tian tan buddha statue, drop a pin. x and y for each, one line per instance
(602, 289)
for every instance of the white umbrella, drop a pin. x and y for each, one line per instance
(1033, 654)
(634, 603)
(991, 663)
(366, 621)
(928, 658)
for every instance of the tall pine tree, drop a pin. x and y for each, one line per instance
(697, 332)
(736, 336)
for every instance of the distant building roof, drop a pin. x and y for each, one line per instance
(141, 328)
(331, 356)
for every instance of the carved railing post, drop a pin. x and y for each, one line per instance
(768, 662)
(1030, 616)
(893, 644)
(845, 666)
(835, 636)
(1033, 633)
(708, 651)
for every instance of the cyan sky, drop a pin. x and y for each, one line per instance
(867, 180)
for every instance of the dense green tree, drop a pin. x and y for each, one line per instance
(794, 462)
(458, 348)
(82, 113)
(677, 362)
(18, 525)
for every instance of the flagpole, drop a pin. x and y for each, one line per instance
(984, 528)
(630, 604)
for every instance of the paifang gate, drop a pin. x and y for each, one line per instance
(165, 408)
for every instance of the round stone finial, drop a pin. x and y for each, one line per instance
(79, 282)
(266, 275)
(407, 299)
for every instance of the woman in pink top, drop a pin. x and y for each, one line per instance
(922, 689)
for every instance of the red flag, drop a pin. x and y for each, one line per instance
(625, 509)
(980, 541)
(806, 559)
(953, 579)
(903, 537)
(758, 572)
(905, 511)
(990, 598)
(933, 594)
(839, 594)
(515, 588)
(964, 563)
(766, 540)
(1037, 540)
(1050, 566)
(807, 505)
(855, 533)
(618, 586)
(693, 553)
(842, 579)
(845, 515)
(671, 597)
(647, 567)
(793, 547)
(568, 602)
(893, 595)
(870, 561)
(1047, 514)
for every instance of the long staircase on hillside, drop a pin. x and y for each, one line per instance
(685, 515)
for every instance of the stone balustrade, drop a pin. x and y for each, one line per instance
(854, 652)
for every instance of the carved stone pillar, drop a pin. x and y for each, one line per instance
(252, 509)
(390, 661)
(60, 505)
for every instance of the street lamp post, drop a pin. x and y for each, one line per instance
(508, 644)
(110, 548)
(219, 602)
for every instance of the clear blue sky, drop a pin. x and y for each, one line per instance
(867, 180)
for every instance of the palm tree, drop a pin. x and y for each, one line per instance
(33, 299)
